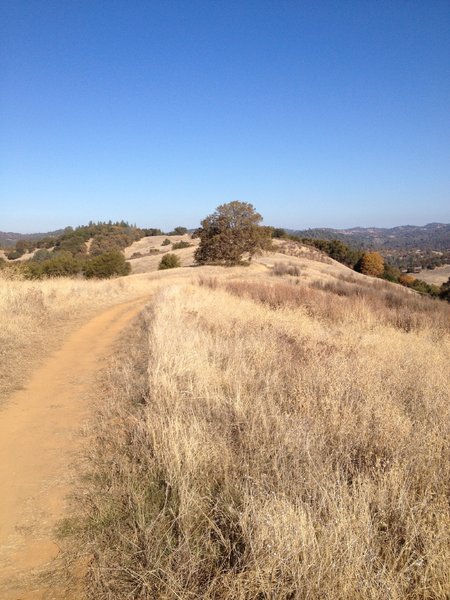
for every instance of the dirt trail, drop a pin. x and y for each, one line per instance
(38, 436)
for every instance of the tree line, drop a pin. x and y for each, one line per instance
(93, 250)
(231, 235)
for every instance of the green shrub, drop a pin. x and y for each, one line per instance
(179, 231)
(62, 265)
(181, 244)
(391, 273)
(444, 293)
(279, 233)
(166, 242)
(108, 264)
(169, 261)
(151, 231)
(75, 244)
(425, 288)
(14, 255)
(41, 255)
(335, 249)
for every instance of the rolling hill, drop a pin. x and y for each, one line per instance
(9, 238)
(433, 236)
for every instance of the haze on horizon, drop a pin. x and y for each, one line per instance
(321, 114)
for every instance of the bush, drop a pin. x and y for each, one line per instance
(419, 286)
(169, 261)
(391, 273)
(335, 249)
(425, 288)
(279, 233)
(282, 268)
(181, 244)
(444, 293)
(179, 231)
(371, 263)
(14, 255)
(166, 242)
(41, 255)
(406, 280)
(61, 265)
(75, 244)
(108, 264)
(151, 231)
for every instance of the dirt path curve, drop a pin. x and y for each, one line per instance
(38, 437)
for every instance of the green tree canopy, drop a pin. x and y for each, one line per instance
(179, 231)
(230, 232)
(108, 264)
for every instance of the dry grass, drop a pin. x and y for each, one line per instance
(298, 250)
(282, 268)
(35, 316)
(371, 301)
(437, 276)
(263, 442)
(147, 246)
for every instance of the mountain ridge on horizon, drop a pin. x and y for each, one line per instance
(434, 235)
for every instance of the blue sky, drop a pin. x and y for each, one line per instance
(320, 113)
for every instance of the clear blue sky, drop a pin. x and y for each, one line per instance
(320, 113)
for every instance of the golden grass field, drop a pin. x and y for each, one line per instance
(273, 437)
(36, 315)
(149, 262)
(437, 276)
(278, 431)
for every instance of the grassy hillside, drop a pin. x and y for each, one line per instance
(145, 254)
(280, 431)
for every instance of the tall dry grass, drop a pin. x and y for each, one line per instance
(255, 449)
(35, 316)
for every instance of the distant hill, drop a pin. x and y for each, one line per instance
(9, 239)
(434, 236)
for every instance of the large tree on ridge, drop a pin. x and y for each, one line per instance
(231, 232)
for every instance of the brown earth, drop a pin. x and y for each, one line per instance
(39, 436)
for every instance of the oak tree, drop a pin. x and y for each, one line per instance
(231, 232)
